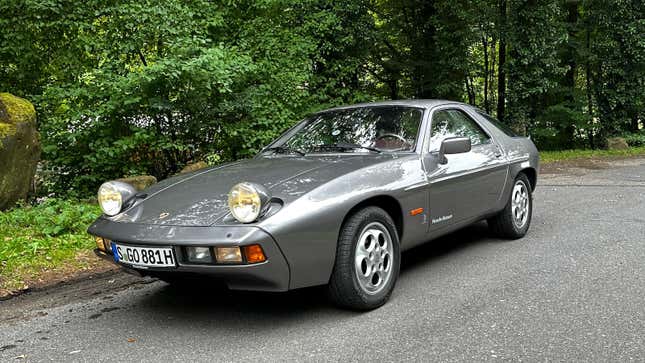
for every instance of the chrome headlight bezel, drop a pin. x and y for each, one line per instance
(248, 202)
(113, 195)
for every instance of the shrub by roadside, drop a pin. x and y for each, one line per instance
(44, 240)
(635, 139)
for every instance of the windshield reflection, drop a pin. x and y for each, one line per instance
(384, 128)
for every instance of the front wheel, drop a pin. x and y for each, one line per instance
(367, 261)
(514, 220)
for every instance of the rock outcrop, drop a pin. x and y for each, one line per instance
(139, 182)
(194, 166)
(19, 148)
(617, 143)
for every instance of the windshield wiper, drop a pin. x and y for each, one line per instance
(347, 146)
(284, 149)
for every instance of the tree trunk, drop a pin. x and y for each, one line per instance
(590, 134)
(634, 125)
(394, 89)
(470, 90)
(570, 76)
(492, 74)
(485, 45)
(501, 64)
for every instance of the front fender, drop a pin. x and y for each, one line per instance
(307, 229)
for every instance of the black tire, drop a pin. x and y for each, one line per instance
(344, 288)
(504, 223)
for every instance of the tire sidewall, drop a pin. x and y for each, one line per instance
(367, 216)
(521, 231)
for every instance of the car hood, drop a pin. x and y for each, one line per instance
(200, 198)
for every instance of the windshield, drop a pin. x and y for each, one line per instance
(378, 128)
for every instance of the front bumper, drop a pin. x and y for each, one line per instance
(270, 275)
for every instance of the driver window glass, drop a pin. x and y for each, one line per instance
(454, 123)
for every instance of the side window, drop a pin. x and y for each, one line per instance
(455, 123)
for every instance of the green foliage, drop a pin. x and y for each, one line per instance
(144, 87)
(636, 139)
(615, 52)
(550, 129)
(51, 218)
(42, 236)
(534, 66)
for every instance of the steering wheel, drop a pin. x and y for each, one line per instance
(399, 137)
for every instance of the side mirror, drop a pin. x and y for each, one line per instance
(453, 145)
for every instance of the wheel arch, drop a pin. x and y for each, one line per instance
(531, 174)
(385, 202)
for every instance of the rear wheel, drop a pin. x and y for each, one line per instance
(514, 220)
(367, 261)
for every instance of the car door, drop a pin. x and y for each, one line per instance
(469, 184)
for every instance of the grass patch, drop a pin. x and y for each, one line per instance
(39, 240)
(553, 156)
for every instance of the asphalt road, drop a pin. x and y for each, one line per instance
(572, 290)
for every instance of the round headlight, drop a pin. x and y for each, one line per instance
(112, 195)
(248, 201)
(110, 199)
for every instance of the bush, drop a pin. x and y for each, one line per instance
(35, 239)
(54, 224)
(635, 139)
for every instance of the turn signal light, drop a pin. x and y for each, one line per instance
(99, 243)
(103, 244)
(254, 254)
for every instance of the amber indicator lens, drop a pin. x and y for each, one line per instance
(254, 254)
(414, 212)
(100, 243)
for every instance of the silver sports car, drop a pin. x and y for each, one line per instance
(333, 201)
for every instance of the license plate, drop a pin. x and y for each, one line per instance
(143, 256)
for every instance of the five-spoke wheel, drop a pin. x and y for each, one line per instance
(373, 258)
(514, 220)
(520, 204)
(367, 260)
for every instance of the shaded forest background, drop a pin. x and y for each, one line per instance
(144, 87)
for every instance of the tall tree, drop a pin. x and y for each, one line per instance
(616, 62)
(535, 35)
(501, 75)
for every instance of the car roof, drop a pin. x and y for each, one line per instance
(420, 103)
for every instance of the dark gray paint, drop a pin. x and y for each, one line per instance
(318, 191)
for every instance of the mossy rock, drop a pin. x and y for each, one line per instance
(139, 182)
(194, 166)
(617, 143)
(19, 148)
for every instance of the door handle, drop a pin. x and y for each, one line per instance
(498, 152)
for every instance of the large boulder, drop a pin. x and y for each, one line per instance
(617, 143)
(139, 182)
(193, 167)
(19, 148)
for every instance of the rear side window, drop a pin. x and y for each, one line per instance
(497, 123)
(454, 123)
